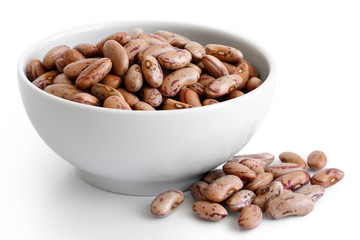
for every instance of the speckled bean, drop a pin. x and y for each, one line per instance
(198, 88)
(205, 79)
(54, 54)
(34, 69)
(45, 79)
(119, 58)
(294, 180)
(88, 50)
(214, 66)
(327, 177)
(151, 96)
(224, 53)
(120, 37)
(314, 192)
(209, 211)
(243, 71)
(94, 73)
(317, 160)
(291, 157)
(62, 78)
(174, 60)
(102, 91)
(222, 86)
(165, 203)
(272, 190)
(190, 97)
(191, 65)
(154, 50)
(196, 49)
(250, 217)
(86, 98)
(197, 190)
(74, 69)
(171, 104)
(151, 39)
(239, 200)
(179, 41)
(65, 91)
(177, 80)
(152, 71)
(254, 164)
(231, 68)
(143, 106)
(280, 169)
(133, 78)
(289, 204)
(265, 157)
(239, 170)
(209, 101)
(223, 187)
(136, 31)
(261, 180)
(72, 55)
(116, 102)
(133, 47)
(213, 175)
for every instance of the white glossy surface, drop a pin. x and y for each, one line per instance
(314, 107)
(138, 152)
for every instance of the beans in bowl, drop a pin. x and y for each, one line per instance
(144, 71)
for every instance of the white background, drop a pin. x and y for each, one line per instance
(315, 45)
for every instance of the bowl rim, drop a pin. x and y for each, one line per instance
(21, 66)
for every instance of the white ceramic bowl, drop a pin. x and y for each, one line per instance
(145, 152)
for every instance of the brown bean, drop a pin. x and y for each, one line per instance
(94, 73)
(197, 190)
(65, 91)
(171, 104)
(272, 190)
(327, 177)
(152, 71)
(291, 157)
(34, 69)
(74, 69)
(209, 211)
(209, 101)
(224, 53)
(119, 58)
(86, 98)
(165, 203)
(133, 47)
(261, 180)
(214, 66)
(102, 91)
(143, 106)
(252, 70)
(60, 64)
(116, 102)
(174, 60)
(111, 80)
(250, 217)
(178, 42)
(120, 37)
(133, 79)
(45, 79)
(223, 187)
(213, 175)
(88, 50)
(294, 180)
(231, 68)
(130, 98)
(222, 86)
(62, 78)
(190, 97)
(196, 49)
(289, 204)
(254, 164)
(317, 160)
(280, 169)
(314, 192)
(72, 55)
(151, 39)
(154, 50)
(151, 96)
(239, 200)
(177, 80)
(265, 157)
(253, 83)
(234, 94)
(243, 71)
(54, 54)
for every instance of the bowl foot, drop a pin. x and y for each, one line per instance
(135, 188)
